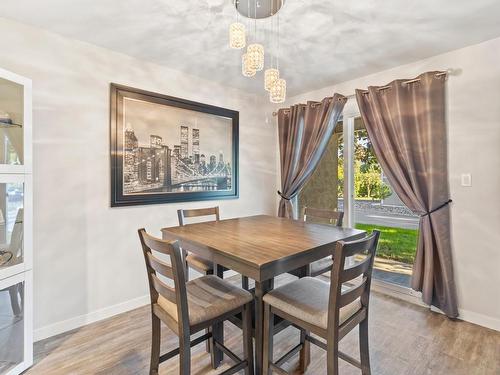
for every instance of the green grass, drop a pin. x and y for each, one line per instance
(395, 243)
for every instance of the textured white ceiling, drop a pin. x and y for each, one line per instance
(323, 41)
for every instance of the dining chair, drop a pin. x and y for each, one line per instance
(331, 217)
(200, 264)
(330, 310)
(189, 307)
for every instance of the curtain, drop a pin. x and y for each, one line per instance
(406, 124)
(304, 131)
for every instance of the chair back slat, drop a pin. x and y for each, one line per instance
(334, 217)
(341, 274)
(197, 212)
(156, 244)
(160, 267)
(163, 289)
(360, 246)
(174, 271)
(355, 270)
(16, 239)
(352, 294)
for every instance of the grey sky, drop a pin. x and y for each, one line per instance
(155, 119)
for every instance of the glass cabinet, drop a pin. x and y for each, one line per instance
(16, 214)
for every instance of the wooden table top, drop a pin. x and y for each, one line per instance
(260, 241)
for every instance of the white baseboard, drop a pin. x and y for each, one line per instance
(94, 316)
(411, 296)
(480, 319)
(104, 313)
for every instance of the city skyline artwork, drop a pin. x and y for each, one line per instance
(174, 149)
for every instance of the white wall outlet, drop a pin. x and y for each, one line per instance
(466, 179)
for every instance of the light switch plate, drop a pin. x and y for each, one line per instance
(466, 179)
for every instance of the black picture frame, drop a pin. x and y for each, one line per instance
(118, 198)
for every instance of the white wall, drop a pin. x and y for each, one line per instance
(474, 139)
(87, 259)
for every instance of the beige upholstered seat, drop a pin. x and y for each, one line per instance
(200, 264)
(208, 297)
(307, 299)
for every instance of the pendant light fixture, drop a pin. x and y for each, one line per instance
(246, 69)
(253, 59)
(270, 76)
(255, 53)
(237, 35)
(277, 94)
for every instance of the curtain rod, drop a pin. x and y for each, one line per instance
(439, 74)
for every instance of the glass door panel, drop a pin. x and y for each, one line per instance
(11, 123)
(376, 206)
(11, 225)
(12, 326)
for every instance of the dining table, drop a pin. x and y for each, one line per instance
(260, 247)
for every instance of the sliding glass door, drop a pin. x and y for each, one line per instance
(376, 206)
(349, 178)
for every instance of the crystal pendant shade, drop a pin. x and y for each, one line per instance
(255, 54)
(277, 94)
(270, 76)
(237, 35)
(246, 70)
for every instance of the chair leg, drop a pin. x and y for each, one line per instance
(244, 282)
(211, 346)
(247, 338)
(268, 339)
(184, 354)
(332, 357)
(305, 352)
(155, 344)
(207, 343)
(21, 294)
(14, 300)
(364, 347)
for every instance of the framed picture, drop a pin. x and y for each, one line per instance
(166, 149)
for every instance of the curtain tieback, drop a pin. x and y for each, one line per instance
(437, 208)
(282, 196)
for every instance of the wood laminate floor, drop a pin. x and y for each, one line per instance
(405, 339)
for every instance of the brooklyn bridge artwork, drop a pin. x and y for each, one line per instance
(166, 149)
(178, 166)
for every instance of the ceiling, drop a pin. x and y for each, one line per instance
(323, 41)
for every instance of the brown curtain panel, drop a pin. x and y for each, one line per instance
(304, 131)
(407, 126)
